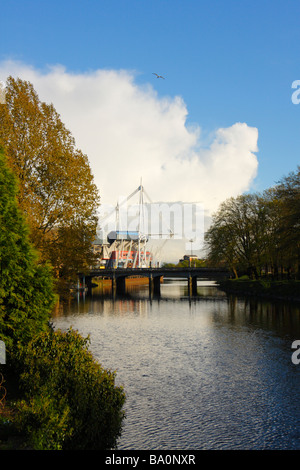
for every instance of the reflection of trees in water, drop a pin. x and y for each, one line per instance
(279, 316)
(103, 301)
(283, 318)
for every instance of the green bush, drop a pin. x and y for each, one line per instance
(44, 421)
(26, 286)
(71, 402)
(67, 401)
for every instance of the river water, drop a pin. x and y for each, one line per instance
(211, 372)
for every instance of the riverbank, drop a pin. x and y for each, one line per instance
(282, 290)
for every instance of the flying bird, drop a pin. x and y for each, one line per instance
(158, 76)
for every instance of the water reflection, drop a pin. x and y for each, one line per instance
(281, 317)
(209, 372)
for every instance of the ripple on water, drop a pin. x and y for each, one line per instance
(203, 375)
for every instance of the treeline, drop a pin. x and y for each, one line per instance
(56, 189)
(259, 234)
(185, 263)
(56, 395)
(53, 394)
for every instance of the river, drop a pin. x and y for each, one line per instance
(211, 372)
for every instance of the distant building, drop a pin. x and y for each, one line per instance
(188, 258)
(122, 249)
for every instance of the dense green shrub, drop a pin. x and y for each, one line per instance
(44, 422)
(66, 399)
(72, 402)
(26, 287)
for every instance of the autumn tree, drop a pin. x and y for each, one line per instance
(271, 239)
(237, 235)
(26, 295)
(259, 233)
(229, 237)
(56, 190)
(221, 246)
(288, 192)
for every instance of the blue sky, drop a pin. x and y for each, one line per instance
(229, 61)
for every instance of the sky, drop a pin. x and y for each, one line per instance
(224, 120)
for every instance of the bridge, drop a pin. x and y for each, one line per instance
(155, 275)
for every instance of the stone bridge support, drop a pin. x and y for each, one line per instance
(192, 285)
(154, 285)
(118, 284)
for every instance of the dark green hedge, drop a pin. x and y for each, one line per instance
(71, 402)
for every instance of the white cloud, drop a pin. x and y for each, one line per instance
(129, 132)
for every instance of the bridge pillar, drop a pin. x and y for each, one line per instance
(154, 285)
(192, 285)
(89, 283)
(113, 285)
(121, 285)
(118, 285)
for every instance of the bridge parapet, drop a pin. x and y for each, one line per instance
(119, 275)
(154, 272)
